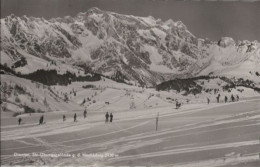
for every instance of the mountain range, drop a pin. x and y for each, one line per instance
(135, 50)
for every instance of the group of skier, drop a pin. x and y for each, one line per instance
(75, 116)
(41, 120)
(232, 98)
(107, 117)
(225, 98)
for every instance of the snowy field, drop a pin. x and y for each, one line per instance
(194, 135)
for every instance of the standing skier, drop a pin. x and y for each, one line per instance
(208, 100)
(157, 121)
(64, 118)
(218, 97)
(41, 120)
(237, 98)
(226, 99)
(111, 117)
(232, 98)
(19, 120)
(85, 113)
(75, 117)
(107, 115)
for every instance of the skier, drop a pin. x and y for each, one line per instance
(237, 98)
(85, 113)
(19, 120)
(232, 98)
(64, 118)
(218, 97)
(41, 120)
(178, 105)
(226, 99)
(107, 115)
(208, 100)
(157, 121)
(75, 117)
(111, 117)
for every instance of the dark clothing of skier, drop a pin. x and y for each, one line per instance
(226, 99)
(157, 120)
(178, 105)
(107, 116)
(41, 120)
(218, 98)
(208, 100)
(85, 114)
(19, 121)
(64, 118)
(111, 117)
(75, 117)
(232, 98)
(237, 98)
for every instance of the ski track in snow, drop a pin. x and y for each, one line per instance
(223, 161)
(18, 134)
(186, 150)
(136, 138)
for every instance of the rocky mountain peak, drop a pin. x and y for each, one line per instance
(226, 42)
(145, 50)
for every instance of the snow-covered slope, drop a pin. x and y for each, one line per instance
(25, 96)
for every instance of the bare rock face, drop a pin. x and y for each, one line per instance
(144, 49)
(226, 42)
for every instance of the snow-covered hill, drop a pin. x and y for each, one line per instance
(25, 96)
(143, 50)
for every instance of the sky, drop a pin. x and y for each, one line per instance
(215, 19)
